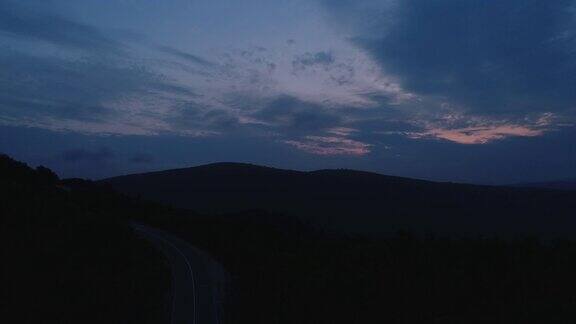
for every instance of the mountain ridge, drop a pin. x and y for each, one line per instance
(236, 166)
(569, 184)
(355, 201)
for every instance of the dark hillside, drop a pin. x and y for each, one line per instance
(68, 256)
(556, 185)
(359, 202)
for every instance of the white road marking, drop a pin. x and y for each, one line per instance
(189, 269)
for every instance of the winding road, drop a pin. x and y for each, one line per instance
(198, 280)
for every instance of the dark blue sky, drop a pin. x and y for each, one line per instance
(461, 90)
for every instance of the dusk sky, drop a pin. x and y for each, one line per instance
(480, 91)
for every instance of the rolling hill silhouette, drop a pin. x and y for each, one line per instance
(357, 201)
(556, 185)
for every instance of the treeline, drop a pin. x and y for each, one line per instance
(284, 272)
(69, 256)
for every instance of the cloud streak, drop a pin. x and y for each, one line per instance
(330, 145)
(24, 22)
(480, 134)
(75, 155)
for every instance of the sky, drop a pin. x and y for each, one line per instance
(451, 90)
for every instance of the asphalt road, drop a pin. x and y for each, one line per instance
(198, 280)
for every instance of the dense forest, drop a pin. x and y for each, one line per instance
(285, 273)
(69, 256)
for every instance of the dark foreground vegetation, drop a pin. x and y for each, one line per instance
(84, 262)
(68, 255)
(282, 273)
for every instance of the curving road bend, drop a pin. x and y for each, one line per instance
(198, 279)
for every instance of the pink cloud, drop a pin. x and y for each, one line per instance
(473, 130)
(481, 134)
(330, 145)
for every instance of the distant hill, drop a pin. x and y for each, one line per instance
(357, 201)
(557, 185)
